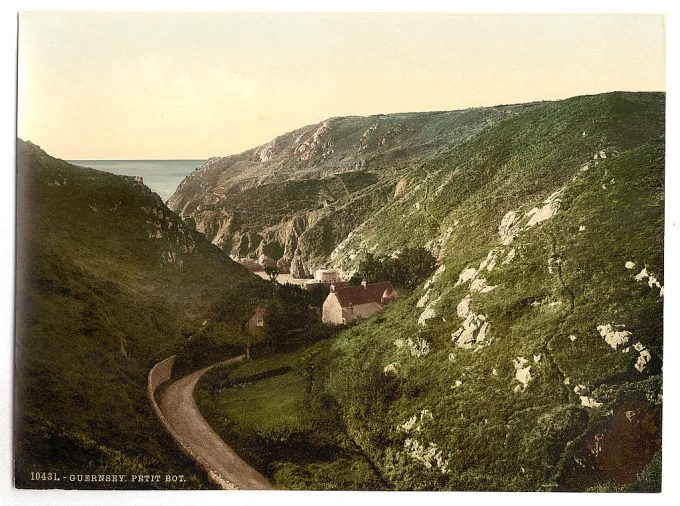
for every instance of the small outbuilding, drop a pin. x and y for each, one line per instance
(257, 322)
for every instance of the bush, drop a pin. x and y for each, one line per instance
(410, 268)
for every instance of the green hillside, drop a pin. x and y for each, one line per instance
(109, 281)
(531, 358)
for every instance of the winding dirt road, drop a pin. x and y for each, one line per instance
(176, 401)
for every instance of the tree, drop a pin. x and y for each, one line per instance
(410, 268)
(272, 272)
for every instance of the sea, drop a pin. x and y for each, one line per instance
(162, 176)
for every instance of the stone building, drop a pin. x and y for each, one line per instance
(350, 303)
(326, 275)
(257, 323)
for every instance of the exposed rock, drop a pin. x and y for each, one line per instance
(297, 268)
(463, 308)
(522, 372)
(423, 300)
(644, 356)
(428, 455)
(613, 337)
(489, 262)
(266, 261)
(651, 279)
(283, 265)
(466, 275)
(630, 265)
(391, 369)
(417, 347)
(509, 227)
(589, 402)
(543, 214)
(426, 315)
(473, 331)
(510, 256)
(479, 285)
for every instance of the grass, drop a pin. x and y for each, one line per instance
(495, 438)
(280, 426)
(99, 301)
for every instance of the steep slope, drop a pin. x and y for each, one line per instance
(456, 200)
(109, 281)
(275, 202)
(531, 359)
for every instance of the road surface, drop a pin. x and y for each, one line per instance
(176, 401)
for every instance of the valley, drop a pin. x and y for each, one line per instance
(524, 354)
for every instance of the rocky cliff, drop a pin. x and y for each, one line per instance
(293, 200)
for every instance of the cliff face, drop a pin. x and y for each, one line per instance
(325, 194)
(296, 198)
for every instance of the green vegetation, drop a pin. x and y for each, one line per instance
(502, 371)
(290, 322)
(273, 414)
(109, 281)
(409, 267)
(568, 276)
(307, 189)
(529, 358)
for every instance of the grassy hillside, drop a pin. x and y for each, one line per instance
(457, 199)
(108, 282)
(531, 363)
(531, 358)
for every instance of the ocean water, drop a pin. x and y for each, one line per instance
(162, 176)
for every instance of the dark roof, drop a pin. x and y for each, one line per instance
(356, 295)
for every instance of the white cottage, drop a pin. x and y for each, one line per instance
(346, 304)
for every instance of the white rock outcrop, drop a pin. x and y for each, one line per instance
(463, 308)
(473, 331)
(509, 227)
(479, 285)
(589, 402)
(652, 281)
(465, 276)
(522, 372)
(510, 256)
(391, 369)
(613, 337)
(543, 214)
(644, 356)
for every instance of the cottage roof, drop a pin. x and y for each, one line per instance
(357, 295)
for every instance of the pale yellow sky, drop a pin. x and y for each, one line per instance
(156, 86)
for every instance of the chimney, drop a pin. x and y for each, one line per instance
(363, 283)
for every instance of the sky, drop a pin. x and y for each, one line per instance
(191, 86)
